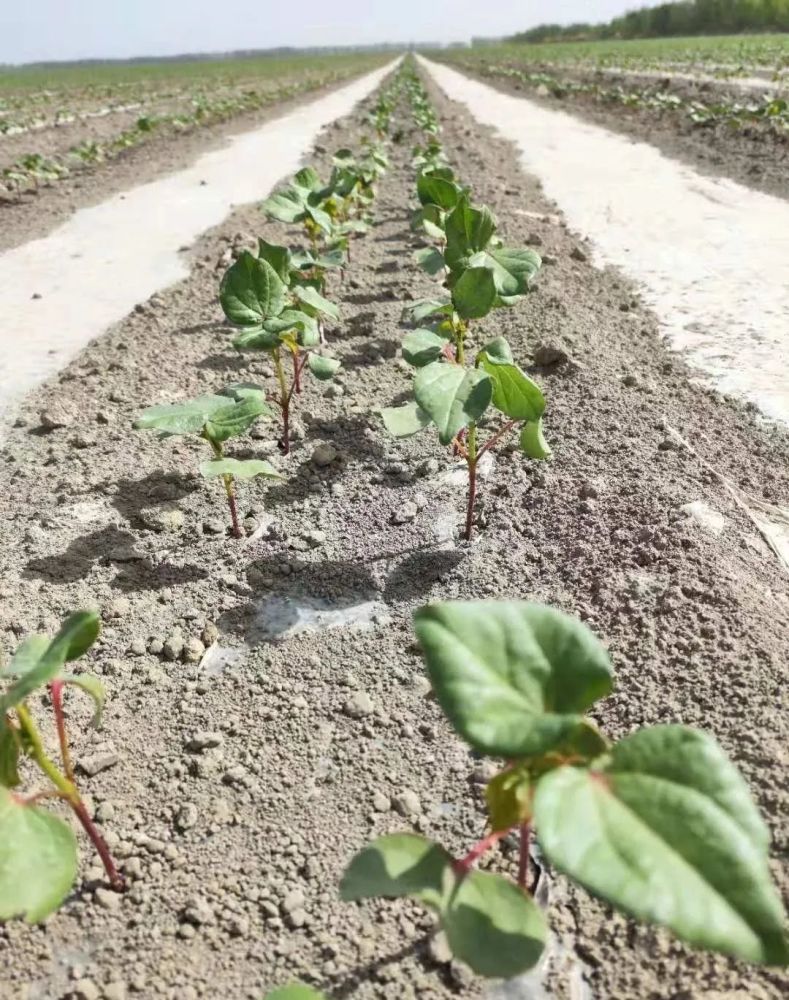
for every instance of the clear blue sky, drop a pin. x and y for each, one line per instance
(32, 30)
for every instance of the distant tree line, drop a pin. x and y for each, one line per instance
(688, 17)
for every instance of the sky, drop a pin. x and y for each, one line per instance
(44, 30)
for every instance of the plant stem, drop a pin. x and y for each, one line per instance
(460, 348)
(56, 691)
(523, 859)
(296, 373)
(68, 790)
(116, 880)
(495, 438)
(284, 401)
(230, 490)
(464, 865)
(471, 461)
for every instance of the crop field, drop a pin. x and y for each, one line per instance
(389, 610)
(54, 122)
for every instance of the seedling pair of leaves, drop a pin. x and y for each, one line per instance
(38, 850)
(216, 419)
(302, 201)
(660, 824)
(279, 310)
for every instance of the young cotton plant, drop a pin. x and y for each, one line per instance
(216, 419)
(279, 309)
(302, 201)
(660, 823)
(450, 393)
(38, 850)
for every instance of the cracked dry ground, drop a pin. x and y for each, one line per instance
(239, 794)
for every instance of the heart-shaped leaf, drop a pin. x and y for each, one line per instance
(422, 346)
(38, 860)
(432, 189)
(418, 311)
(513, 270)
(235, 418)
(286, 206)
(493, 926)
(512, 677)
(452, 396)
(187, 417)
(403, 421)
(278, 257)
(238, 468)
(399, 864)
(664, 828)
(468, 230)
(251, 291)
(514, 393)
(474, 293)
(311, 297)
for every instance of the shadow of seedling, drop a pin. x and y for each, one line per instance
(332, 593)
(223, 362)
(155, 489)
(362, 974)
(110, 546)
(212, 326)
(360, 325)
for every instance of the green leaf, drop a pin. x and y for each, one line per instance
(27, 655)
(468, 230)
(399, 864)
(430, 260)
(508, 797)
(430, 219)
(93, 687)
(665, 829)
(74, 637)
(422, 346)
(308, 179)
(238, 468)
(418, 311)
(278, 257)
(494, 926)
(251, 291)
(235, 418)
(323, 368)
(513, 270)
(514, 393)
(257, 339)
(452, 396)
(311, 297)
(433, 189)
(285, 206)
(320, 218)
(403, 421)
(179, 418)
(474, 293)
(9, 754)
(533, 442)
(511, 677)
(38, 860)
(294, 991)
(499, 351)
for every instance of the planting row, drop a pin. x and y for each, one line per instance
(660, 823)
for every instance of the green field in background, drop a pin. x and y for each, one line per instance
(735, 51)
(225, 71)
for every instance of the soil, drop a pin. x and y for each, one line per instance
(243, 783)
(35, 213)
(756, 155)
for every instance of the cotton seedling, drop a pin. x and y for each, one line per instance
(302, 201)
(660, 823)
(38, 850)
(481, 276)
(279, 310)
(216, 419)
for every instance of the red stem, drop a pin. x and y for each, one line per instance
(523, 860)
(56, 693)
(296, 375)
(285, 442)
(231, 501)
(496, 437)
(472, 496)
(464, 865)
(116, 880)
